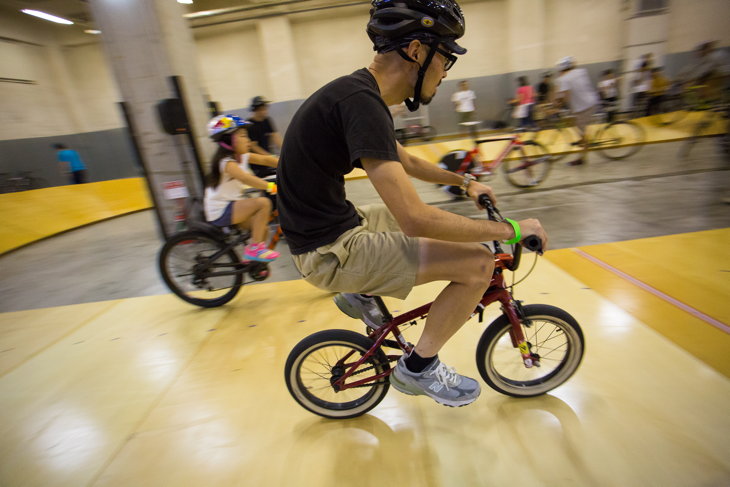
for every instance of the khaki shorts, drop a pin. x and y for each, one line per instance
(372, 258)
(465, 116)
(582, 119)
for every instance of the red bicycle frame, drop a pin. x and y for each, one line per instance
(497, 292)
(489, 167)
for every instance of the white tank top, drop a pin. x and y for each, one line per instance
(228, 190)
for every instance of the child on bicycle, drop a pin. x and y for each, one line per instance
(229, 176)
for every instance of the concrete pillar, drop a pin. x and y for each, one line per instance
(526, 35)
(642, 34)
(146, 42)
(280, 58)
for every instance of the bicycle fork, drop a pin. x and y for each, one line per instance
(513, 310)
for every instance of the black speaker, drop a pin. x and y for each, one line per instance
(172, 116)
(213, 109)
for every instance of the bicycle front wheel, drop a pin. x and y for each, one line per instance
(551, 333)
(619, 140)
(530, 168)
(318, 361)
(191, 264)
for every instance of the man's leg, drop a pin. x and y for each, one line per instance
(582, 120)
(468, 268)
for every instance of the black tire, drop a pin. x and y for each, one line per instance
(183, 264)
(452, 161)
(619, 140)
(428, 132)
(501, 366)
(530, 167)
(309, 374)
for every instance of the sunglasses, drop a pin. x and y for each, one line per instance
(450, 59)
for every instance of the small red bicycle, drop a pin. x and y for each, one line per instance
(527, 169)
(527, 351)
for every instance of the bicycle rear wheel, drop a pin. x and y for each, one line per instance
(552, 334)
(530, 168)
(186, 267)
(619, 139)
(319, 360)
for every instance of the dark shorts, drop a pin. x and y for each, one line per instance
(225, 218)
(78, 177)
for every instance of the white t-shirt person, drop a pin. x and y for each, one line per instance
(581, 94)
(464, 100)
(609, 88)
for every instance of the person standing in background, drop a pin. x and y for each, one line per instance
(524, 99)
(463, 101)
(659, 86)
(544, 97)
(70, 163)
(641, 82)
(608, 91)
(263, 133)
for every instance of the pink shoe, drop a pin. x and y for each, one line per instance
(260, 253)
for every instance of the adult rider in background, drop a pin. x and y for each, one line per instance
(264, 135)
(387, 249)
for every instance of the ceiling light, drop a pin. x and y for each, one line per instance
(46, 16)
(186, 2)
(92, 31)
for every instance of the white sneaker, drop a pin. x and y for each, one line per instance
(437, 381)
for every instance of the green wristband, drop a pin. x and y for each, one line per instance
(518, 234)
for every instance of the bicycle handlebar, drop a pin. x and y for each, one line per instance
(530, 242)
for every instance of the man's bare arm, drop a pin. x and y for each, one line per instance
(418, 219)
(431, 173)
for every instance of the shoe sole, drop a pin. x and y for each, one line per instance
(257, 259)
(401, 387)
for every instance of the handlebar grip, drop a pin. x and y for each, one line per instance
(484, 200)
(533, 243)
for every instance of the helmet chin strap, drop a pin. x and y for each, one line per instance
(413, 104)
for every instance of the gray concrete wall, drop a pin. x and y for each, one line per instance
(107, 154)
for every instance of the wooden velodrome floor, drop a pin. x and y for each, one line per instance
(150, 391)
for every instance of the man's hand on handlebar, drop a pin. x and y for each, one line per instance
(532, 226)
(476, 188)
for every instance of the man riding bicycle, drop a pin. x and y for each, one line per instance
(386, 250)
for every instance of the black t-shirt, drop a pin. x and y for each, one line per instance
(259, 132)
(336, 126)
(542, 91)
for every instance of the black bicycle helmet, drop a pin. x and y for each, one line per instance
(393, 22)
